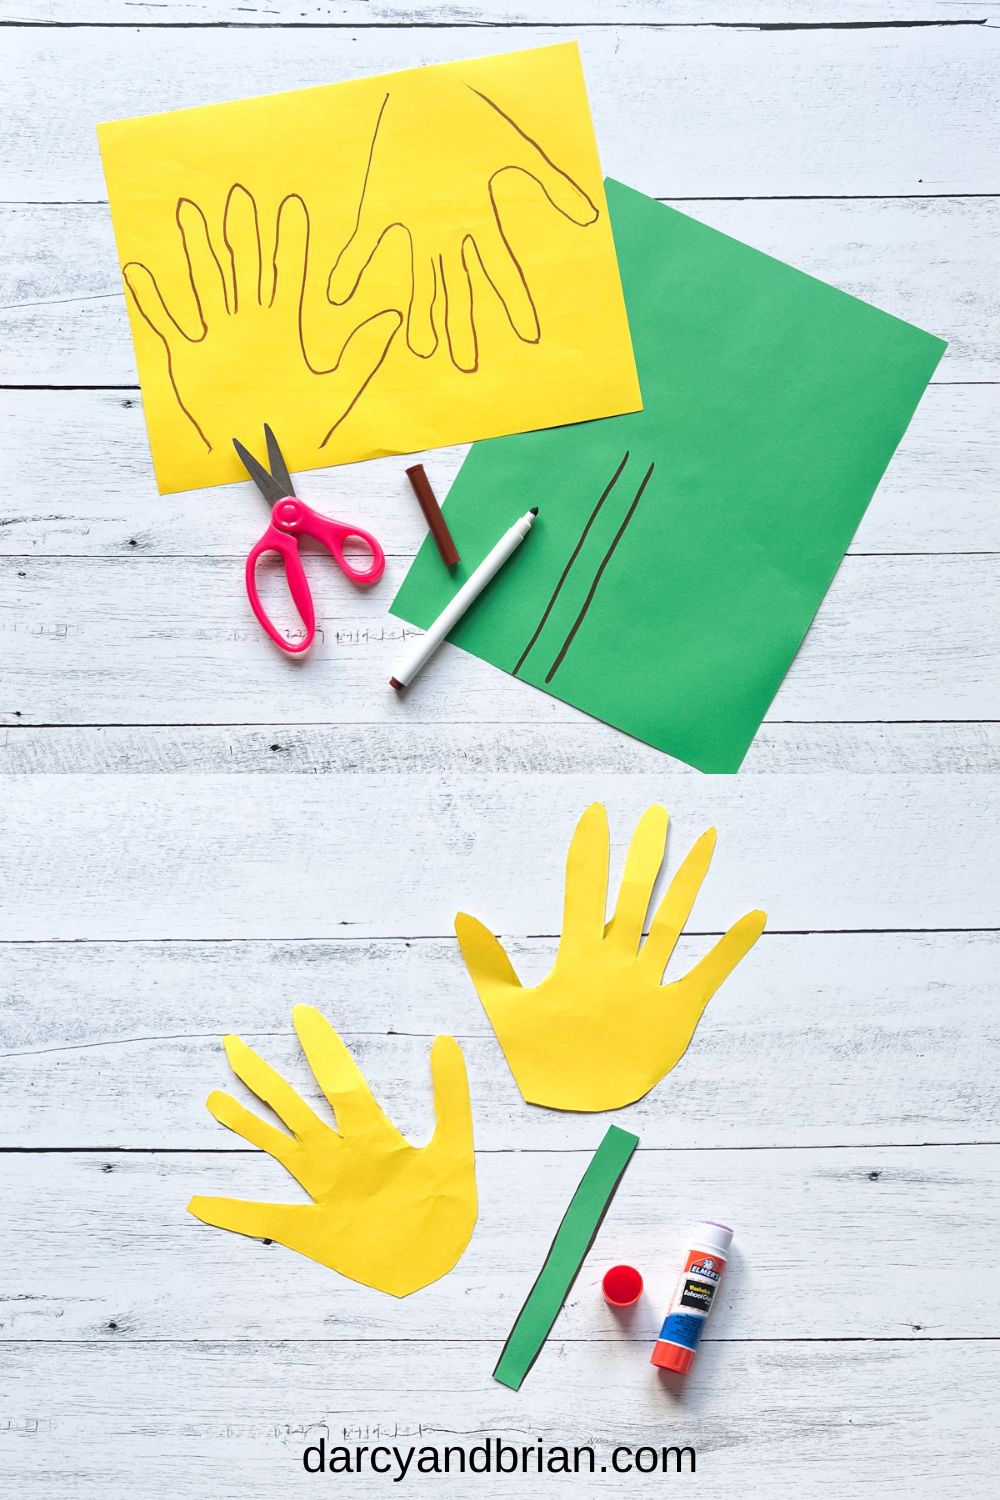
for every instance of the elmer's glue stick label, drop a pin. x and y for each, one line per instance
(693, 1297)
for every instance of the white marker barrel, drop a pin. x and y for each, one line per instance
(424, 648)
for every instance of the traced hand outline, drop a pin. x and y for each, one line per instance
(602, 1028)
(385, 1213)
(455, 224)
(247, 345)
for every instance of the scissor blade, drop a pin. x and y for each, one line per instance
(276, 463)
(269, 488)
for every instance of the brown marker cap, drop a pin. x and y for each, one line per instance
(432, 514)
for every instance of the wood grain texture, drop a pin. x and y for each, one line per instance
(221, 856)
(202, 837)
(578, 746)
(172, 640)
(196, 1419)
(939, 494)
(821, 1039)
(571, 13)
(885, 110)
(928, 260)
(226, 1287)
(64, 319)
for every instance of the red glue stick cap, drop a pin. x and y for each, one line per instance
(622, 1286)
(671, 1357)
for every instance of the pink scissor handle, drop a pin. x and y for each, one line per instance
(290, 520)
(333, 534)
(287, 548)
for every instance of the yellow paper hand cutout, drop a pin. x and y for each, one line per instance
(245, 358)
(602, 1028)
(385, 1213)
(442, 156)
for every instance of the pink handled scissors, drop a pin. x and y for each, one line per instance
(290, 520)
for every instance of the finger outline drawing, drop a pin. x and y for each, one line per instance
(216, 295)
(342, 286)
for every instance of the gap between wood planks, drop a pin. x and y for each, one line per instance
(136, 390)
(360, 724)
(9, 386)
(440, 937)
(676, 198)
(499, 25)
(496, 1150)
(617, 1338)
(227, 557)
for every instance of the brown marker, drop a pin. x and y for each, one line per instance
(432, 514)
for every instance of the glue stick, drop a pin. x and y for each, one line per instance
(684, 1324)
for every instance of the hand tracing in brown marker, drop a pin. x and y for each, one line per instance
(243, 358)
(452, 221)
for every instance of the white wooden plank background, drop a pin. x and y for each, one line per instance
(195, 836)
(314, 14)
(104, 641)
(877, 1024)
(133, 1206)
(790, 98)
(865, 1419)
(905, 253)
(940, 491)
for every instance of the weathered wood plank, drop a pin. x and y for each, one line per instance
(774, 1421)
(692, 111)
(172, 640)
(820, 1040)
(929, 260)
(856, 1040)
(382, 855)
(574, 13)
(528, 749)
(939, 494)
(145, 1269)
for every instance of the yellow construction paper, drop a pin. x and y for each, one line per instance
(602, 1029)
(391, 1215)
(371, 267)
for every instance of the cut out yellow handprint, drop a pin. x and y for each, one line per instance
(602, 1029)
(385, 1213)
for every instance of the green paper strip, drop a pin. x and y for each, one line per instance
(567, 1253)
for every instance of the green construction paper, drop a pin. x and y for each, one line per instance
(773, 404)
(567, 1252)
